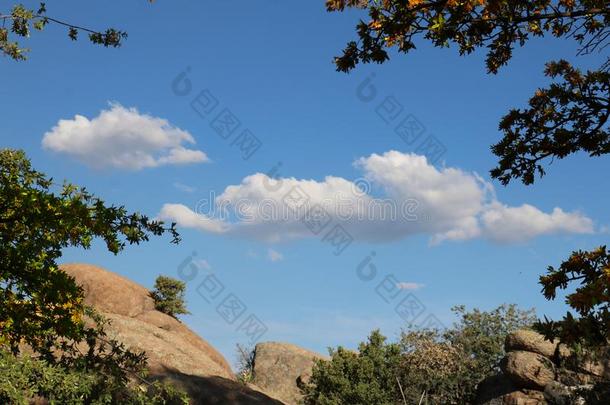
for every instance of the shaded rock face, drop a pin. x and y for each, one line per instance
(279, 369)
(491, 391)
(215, 390)
(528, 370)
(174, 351)
(500, 390)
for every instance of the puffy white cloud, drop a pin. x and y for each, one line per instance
(510, 224)
(416, 198)
(189, 219)
(274, 255)
(122, 138)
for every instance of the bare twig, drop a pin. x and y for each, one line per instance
(401, 391)
(423, 395)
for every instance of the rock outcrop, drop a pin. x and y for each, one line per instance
(174, 352)
(536, 371)
(530, 341)
(528, 369)
(280, 368)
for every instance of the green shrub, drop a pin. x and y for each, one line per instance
(364, 377)
(25, 378)
(169, 296)
(480, 335)
(439, 367)
(39, 303)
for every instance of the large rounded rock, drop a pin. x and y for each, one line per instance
(528, 370)
(109, 292)
(530, 341)
(174, 352)
(279, 367)
(177, 328)
(136, 322)
(165, 349)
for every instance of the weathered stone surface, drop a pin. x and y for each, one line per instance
(175, 327)
(174, 351)
(557, 393)
(278, 368)
(533, 378)
(517, 397)
(530, 341)
(573, 378)
(525, 397)
(165, 349)
(600, 367)
(528, 370)
(109, 292)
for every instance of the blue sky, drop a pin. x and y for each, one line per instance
(270, 63)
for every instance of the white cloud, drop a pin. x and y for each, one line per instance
(274, 255)
(409, 286)
(416, 198)
(122, 138)
(189, 219)
(184, 187)
(510, 224)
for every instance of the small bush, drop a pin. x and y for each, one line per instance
(364, 377)
(438, 367)
(245, 364)
(25, 378)
(169, 296)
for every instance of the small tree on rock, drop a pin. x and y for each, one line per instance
(169, 296)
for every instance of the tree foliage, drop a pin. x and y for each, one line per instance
(434, 369)
(590, 299)
(481, 334)
(367, 376)
(27, 380)
(443, 367)
(569, 116)
(39, 303)
(23, 20)
(168, 295)
(41, 306)
(497, 25)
